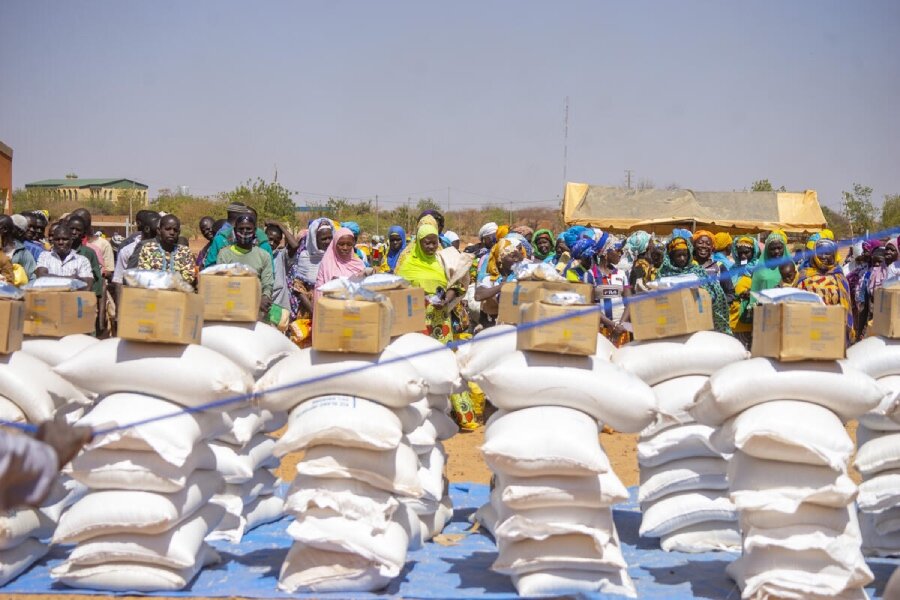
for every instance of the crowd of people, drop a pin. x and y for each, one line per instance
(462, 284)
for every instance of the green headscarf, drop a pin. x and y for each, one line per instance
(421, 269)
(534, 247)
(766, 277)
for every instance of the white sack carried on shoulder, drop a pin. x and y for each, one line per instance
(31, 385)
(574, 582)
(709, 536)
(307, 569)
(254, 347)
(173, 438)
(684, 475)
(836, 386)
(677, 511)
(339, 534)
(779, 573)
(757, 484)
(246, 421)
(141, 470)
(19, 524)
(875, 356)
(177, 548)
(131, 576)
(345, 421)
(569, 551)
(394, 470)
(788, 431)
(606, 392)
(702, 353)
(541, 523)
(673, 398)
(881, 492)
(119, 511)
(548, 440)
(189, 375)
(590, 491)
(308, 374)
(677, 443)
(238, 464)
(15, 561)
(877, 451)
(55, 350)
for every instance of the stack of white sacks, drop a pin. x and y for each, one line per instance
(243, 454)
(684, 488)
(31, 393)
(142, 525)
(553, 491)
(784, 424)
(371, 482)
(878, 454)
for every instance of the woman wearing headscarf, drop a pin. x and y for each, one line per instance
(871, 280)
(767, 276)
(678, 261)
(302, 278)
(422, 268)
(746, 253)
(339, 260)
(826, 278)
(543, 243)
(724, 246)
(637, 248)
(703, 251)
(504, 256)
(611, 288)
(581, 268)
(396, 246)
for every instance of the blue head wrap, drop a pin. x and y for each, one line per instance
(352, 226)
(584, 248)
(392, 256)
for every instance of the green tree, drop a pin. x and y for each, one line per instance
(270, 200)
(858, 209)
(761, 185)
(890, 211)
(836, 222)
(427, 204)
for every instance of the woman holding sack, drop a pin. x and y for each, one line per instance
(422, 268)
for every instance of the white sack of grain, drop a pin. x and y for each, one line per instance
(673, 398)
(590, 491)
(254, 347)
(354, 499)
(833, 385)
(708, 536)
(238, 464)
(574, 582)
(878, 451)
(56, 350)
(559, 441)
(307, 569)
(34, 388)
(569, 551)
(880, 492)
(15, 561)
(189, 375)
(394, 470)
(876, 356)
(19, 524)
(142, 470)
(701, 353)
(244, 422)
(677, 443)
(788, 431)
(684, 475)
(678, 511)
(542, 523)
(412, 416)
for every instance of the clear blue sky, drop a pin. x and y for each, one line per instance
(408, 98)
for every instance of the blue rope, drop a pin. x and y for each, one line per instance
(486, 335)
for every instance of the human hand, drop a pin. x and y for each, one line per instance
(65, 439)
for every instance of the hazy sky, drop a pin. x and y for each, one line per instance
(409, 98)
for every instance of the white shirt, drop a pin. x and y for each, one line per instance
(73, 265)
(125, 253)
(893, 270)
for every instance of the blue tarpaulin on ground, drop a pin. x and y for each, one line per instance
(460, 569)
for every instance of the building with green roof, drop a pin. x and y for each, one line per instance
(113, 189)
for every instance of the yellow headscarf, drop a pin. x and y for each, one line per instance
(499, 249)
(722, 241)
(407, 251)
(420, 269)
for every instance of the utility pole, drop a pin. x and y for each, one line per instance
(510, 214)
(566, 144)
(408, 200)
(447, 217)
(376, 214)
(628, 173)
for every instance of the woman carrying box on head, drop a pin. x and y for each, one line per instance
(244, 251)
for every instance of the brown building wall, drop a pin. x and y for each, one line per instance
(5, 173)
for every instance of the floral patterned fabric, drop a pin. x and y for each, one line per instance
(180, 260)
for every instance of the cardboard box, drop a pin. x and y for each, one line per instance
(886, 309)
(680, 312)
(574, 335)
(12, 325)
(351, 325)
(228, 298)
(160, 316)
(58, 313)
(790, 331)
(409, 310)
(515, 294)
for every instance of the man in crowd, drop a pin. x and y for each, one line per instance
(225, 235)
(12, 236)
(207, 230)
(61, 260)
(34, 237)
(147, 222)
(283, 258)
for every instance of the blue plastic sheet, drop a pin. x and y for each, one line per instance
(458, 570)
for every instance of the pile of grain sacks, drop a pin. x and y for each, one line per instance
(784, 424)
(243, 454)
(31, 393)
(684, 489)
(554, 488)
(878, 454)
(142, 525)
(370, 485)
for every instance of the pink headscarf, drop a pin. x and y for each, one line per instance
(332, 266)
